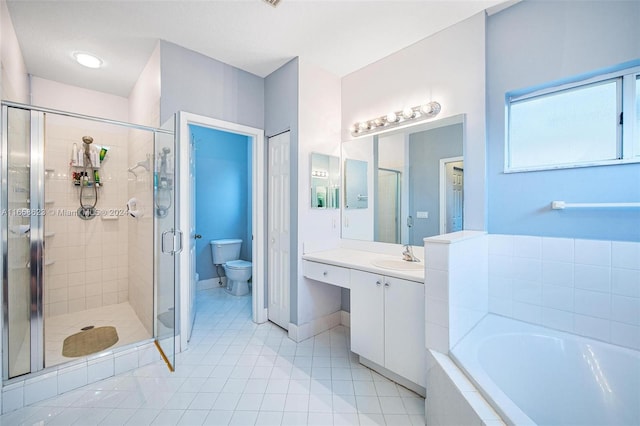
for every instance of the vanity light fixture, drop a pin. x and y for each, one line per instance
(88, 60)
(396, 118)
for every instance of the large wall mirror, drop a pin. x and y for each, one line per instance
(415, 178)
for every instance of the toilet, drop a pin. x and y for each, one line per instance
(238, 272)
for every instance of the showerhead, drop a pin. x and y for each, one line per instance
(87, 141)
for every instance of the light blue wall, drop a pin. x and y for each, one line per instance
(281, 114)
(532, 43)
(201, 85)
(427, 148)
(223, 195)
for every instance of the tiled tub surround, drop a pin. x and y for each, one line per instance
(456, 299)
(586, 287)
(455, 286)
(536, 375)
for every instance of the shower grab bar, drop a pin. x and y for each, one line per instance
(561, 205)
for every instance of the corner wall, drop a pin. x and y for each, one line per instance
(319, 229)
(201, 85)
(14, 81)
(281, 114)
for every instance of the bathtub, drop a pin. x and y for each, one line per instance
(535, 375)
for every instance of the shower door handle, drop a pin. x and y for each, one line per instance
(163, 239)
(173, 233)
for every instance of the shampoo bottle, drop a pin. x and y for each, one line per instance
(74, 155)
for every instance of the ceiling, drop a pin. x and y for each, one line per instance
(340, 36)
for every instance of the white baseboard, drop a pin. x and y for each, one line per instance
(263, 316)
(298, 333)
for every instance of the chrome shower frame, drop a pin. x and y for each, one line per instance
(36, 223)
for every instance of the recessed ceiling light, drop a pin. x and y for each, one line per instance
(88, 60)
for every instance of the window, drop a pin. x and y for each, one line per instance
(575, 125)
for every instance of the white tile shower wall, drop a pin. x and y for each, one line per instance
(587, 287)
(87, 260)
(144, 108)
(456, 287)
(140, 285)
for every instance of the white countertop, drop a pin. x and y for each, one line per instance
(361, 260)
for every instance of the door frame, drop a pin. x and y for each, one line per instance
(185, 119)
(443, 190)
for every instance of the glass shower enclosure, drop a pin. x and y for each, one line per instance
(89, 237)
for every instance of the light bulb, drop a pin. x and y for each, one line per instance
(408, 113)
(426, 109)
(353, 128)
(377, 122)
(363, 126)
(88, 60)
(392, 117)
(432, 108)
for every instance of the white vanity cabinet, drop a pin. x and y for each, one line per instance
(387, 323)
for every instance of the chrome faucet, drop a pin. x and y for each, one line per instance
(407, 254)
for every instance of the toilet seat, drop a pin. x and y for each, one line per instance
(238, 264)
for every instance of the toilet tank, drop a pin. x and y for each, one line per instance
(224, 250)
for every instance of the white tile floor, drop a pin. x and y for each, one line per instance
(121, 316)
(239, 373)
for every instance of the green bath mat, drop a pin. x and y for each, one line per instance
(89, 341)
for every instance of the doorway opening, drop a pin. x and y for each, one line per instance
(451, 194)
(221, 190)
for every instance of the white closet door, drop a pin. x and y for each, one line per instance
(278, 281)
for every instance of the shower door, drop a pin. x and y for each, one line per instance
(168, 242)
(109, 253)
(22, 240)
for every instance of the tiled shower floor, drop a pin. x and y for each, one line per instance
(120, 316)
(239, 373)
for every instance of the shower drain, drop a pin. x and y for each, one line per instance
(89, 327)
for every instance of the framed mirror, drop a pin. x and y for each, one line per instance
(415, 177)
(325, 181)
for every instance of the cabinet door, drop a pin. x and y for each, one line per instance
(367, 316)
(404, 329)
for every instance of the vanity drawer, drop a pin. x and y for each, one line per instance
(331, 274)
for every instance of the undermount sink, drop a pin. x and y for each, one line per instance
(397, 264)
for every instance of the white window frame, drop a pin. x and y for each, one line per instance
(627, 144)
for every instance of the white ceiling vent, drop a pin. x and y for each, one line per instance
(273, 3)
